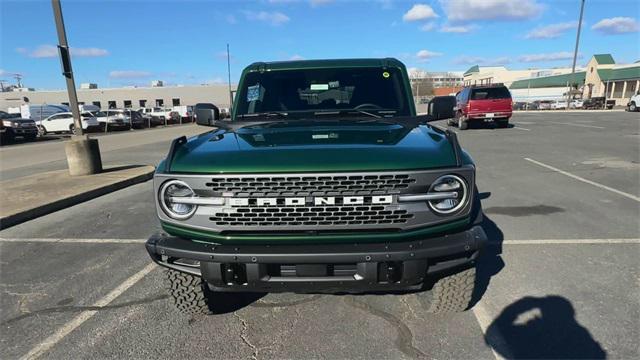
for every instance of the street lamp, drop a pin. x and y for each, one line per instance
(83, 153)
(575, 55)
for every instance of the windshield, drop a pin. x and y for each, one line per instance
(490, 93)
(5, 115)
(99, 114)
(314, 90)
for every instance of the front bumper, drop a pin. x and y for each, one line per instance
(354, 268)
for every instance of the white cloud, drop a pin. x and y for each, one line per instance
(419, 12)
(616, 25)
(51, 51)
(478, 60)
(273, 18)
(3, 72)
(551, 31)
(129, 74)
(466, 10)
(89, 52)
(458, 29)
(425, 55)
(428, 26)
(562, 55)
(296, 57)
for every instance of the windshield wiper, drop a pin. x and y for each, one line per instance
(267, 114)
(347, 112)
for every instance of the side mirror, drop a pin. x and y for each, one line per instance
(206, 114)
(442, 107)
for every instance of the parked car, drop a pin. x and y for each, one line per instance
(185, 112)
(225, 113)
(519, 105)
(480, 103)
(13, 125)
(150, 120)
(544, 104)
(110, 120)
(559, 104)
(634, 102)
(63, 122)
(596, 103)
(575, 104)
(38, 112)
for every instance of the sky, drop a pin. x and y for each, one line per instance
(124, 43)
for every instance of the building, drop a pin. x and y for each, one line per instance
(482, 75)
(445, 79)
(127, 97)
(601, 78)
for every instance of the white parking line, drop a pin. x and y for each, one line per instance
(520, 128)
(73, 241)
(484, 320)
(581, 125)
(627, 195)
(67, 328)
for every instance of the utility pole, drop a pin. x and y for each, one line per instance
(67, 72)
(229, 75)
(83, 153)
(575, 54)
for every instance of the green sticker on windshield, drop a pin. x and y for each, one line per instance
(386, 74)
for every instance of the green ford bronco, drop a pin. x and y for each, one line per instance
(324, 179)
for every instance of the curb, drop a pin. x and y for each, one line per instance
(48, 208)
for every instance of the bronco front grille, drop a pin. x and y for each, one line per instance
(383, 184)
(311, 216)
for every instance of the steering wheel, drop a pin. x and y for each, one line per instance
(367, 106)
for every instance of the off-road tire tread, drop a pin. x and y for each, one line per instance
(187, 293)
(453, 293)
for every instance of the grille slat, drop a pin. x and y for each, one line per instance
(315, 185)
(325, 216)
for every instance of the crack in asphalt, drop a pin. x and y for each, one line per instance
(244, 336)
(72, 309)
(403, 298)
(263, 304)
(404, 341)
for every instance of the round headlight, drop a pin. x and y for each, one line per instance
(172, 189)
(453, 185)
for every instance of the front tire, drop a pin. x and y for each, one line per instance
(450, 294)
(188, 293)
(633, 107)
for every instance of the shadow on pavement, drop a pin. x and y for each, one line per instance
(490, 261)
(228, 302)
(542, 328)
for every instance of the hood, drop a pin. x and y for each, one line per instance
(370, 147)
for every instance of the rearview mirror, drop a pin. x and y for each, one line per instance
(442, 107)
(206, 114)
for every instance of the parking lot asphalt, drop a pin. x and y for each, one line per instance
(561, 192)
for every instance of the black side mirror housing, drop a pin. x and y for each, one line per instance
(206, 114)
(442, 107)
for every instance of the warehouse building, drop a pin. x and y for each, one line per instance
(483, 75)
(601, 78)
(126, 97)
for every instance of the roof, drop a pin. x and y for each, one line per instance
(548, 81)
(473, 69)
(604, 59)
(328, 63)
(632, 72)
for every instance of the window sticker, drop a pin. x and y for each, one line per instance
(386, 74)
(253, 93)
(334, 84)
(319, 87)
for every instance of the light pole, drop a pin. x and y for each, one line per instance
(229, 75)
(575, 54)
(83, 153)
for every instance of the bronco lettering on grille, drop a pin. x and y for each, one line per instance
(317, 201)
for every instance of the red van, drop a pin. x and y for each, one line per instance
(483, 103)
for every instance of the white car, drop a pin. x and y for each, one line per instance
(63, 122)
(575, 104)
(634, 102)
(559, 104)
(111, 120)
